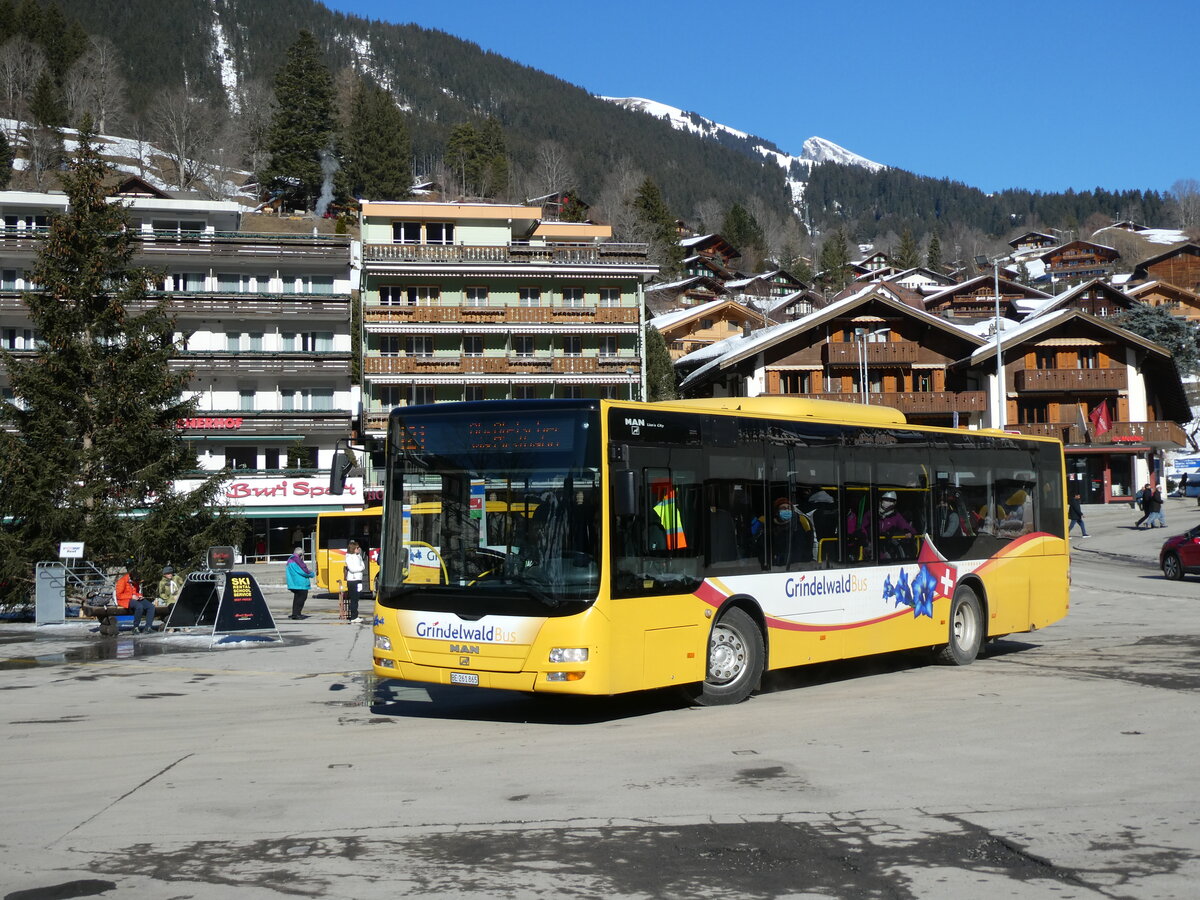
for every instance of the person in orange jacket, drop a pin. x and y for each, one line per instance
(128, 590)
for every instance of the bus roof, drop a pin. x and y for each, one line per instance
(794, 407)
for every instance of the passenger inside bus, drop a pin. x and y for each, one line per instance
(792, 536)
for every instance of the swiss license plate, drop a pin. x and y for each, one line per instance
(464, 678)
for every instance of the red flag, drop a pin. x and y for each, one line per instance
(1100, 419)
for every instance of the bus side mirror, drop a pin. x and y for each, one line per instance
(343, 462)
(624, 492)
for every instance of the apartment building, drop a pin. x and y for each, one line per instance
(481, 301)
(264, 320)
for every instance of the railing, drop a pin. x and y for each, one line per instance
(559, 254)
(847, 352)
(495, 365)
(1153, 433)
(912, 401)
(603, 315)
(1071, 380)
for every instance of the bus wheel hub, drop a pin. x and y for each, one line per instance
(726, 655)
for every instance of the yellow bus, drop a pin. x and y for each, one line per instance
(335, 530)
(703, 542)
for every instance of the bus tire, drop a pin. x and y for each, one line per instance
(736, 656)
(966, 630)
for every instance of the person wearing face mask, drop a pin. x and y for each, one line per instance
(791, 535)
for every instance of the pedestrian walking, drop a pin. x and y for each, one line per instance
(1141, 498)
(299, 575)
(1075, 516)
(1154, 511)
(355, 567)
(1183, 483)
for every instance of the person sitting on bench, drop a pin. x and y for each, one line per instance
(128, 591)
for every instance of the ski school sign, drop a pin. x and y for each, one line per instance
(258, 492)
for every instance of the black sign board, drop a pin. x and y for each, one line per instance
(197, 602)
(220, 558)
(243, 607)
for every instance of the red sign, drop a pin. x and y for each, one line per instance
(241, 490)
(217, 423)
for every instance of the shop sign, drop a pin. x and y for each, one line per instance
(259, 492)
(217, 423)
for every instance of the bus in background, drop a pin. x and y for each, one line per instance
(335, 530)
(703, 542)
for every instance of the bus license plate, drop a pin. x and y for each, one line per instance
(464, 678)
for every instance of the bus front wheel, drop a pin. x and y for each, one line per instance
(966, 629)
(736, 655)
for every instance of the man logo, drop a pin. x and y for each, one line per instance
(464, 661)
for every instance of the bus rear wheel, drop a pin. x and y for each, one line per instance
(736, 656)
(966, 630)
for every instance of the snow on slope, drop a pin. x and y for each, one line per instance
(796, 168)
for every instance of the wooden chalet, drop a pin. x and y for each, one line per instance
(906, 353)
(872, 262)
(1179, 266)
(1178, 301)
(975, 300)
(794, 306)
(1079, 261)
(663, 298)
(1033, 240)
(708, 266)
(1097, 298)
(712, 245)
(1060, 367)
(922, 280)
(687, 330)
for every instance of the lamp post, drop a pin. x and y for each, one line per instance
(982, 261)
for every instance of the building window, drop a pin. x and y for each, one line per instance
(793, 382)
(608, 346)
(390, 345)
(707, 323)
(572, 346)
(288, 341)
(475, 296)
(439, 233)
(246, 399)
(529, 297)
(321, 284)
(472, 346)
(388, 396)
(420, 394)
(572, 297)
(418, 346)
(1045, 359)
(1088, 359)
(473, 392)
(423, 296)
(406, 232)
(423, 232)
(186, 281)
(312, 342)
(570, 391)
(241, 457)
(522, 345)
(272, 458)
(610, 297)
(17, 339)
(524, 392)
(233, 341)
(392, 295)
(1031, 413)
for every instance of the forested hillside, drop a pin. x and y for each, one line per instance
(136, 61)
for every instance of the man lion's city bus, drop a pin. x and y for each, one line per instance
(703, 542)
(335, 531)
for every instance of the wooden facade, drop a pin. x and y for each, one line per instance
(1179, 266)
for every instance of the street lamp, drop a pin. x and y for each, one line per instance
(982, 262)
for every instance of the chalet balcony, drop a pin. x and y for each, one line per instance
(243, 245)
(266, 422)
(846, 353)
(263, 362)
(1155, 434)
(498, 315)
(515, 253)
(914, 402)
(1071, 381)
(498, 365)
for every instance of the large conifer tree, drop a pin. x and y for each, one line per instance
(657, 227)
(302, 128)
(89, 446)
(377, 149)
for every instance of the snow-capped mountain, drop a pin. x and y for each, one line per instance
(815, 150)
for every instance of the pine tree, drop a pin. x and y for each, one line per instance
(6, 161)
(742, 230)
(908, 254)
(89, 447)
(1155, 323)
(377, 149)
(657, 226)
(478, 159)
(302, 129)
(834, 261)
(660, 370)
(933, 254)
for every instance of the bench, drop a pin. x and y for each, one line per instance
(108, 616)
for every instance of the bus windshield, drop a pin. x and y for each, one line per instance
(493, 510)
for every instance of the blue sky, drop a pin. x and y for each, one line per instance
(1041, 95)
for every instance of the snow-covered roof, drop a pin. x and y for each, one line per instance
(666, 320)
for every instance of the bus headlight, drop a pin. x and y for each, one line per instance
(383, 642)
(564, 676)
(568, 654)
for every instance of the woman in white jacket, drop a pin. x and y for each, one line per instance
(355, 567)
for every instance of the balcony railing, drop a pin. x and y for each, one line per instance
(1157, 434)
(846, 353)
(1071, 380)
(912, 401)
(219, 242)
(263, 362)
(459, 254)
(603, 315)
(512, 364)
